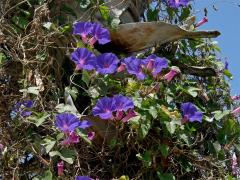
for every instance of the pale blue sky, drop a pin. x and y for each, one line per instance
(227, 20)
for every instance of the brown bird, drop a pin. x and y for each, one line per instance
(137, 36)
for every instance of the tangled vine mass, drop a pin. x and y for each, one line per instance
(113, 89)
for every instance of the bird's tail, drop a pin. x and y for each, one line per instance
(202, 34)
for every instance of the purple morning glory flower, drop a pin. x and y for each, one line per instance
(135, 66)
(67, 122)
(99, 34)
(20, 108)
(83, 178)
(104, 108)
(155, 64)
(177, 3)
(190, 113)
(91, 32)
(83, 29)
(82, 58)
(106, 63)
(123, 103)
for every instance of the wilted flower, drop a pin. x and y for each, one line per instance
(82, 58)
(67, 122)
(104, 108)
(1, 146)
(177, 3)
(21, 108)
(234, 164)
(173, 72)
(91, 135)
(235, 97)
(155, 64)
(121, 68)
(204, 20)
(91, 32)
(60, 168)
(106, 63)
(190, 113)
(135, 66)
(129, 115)
(72, 138)
(236, 111)
(83, 178)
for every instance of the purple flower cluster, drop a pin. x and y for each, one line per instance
(91, 32)
(136, 66)
(118, 107)
(67, 123)
(190, 113)
(107, 63)
(22, 108)
(104, 64)
(178, 3)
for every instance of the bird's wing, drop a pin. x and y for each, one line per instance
(132, 37)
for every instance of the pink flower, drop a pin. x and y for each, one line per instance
(60, 168)
(173, 72)
(234, 164)
(236, 111)
(130, 115)
(121, 68)
(204, 20)
(72, 138)
(1, 147)
(235, 97)
(91, 135)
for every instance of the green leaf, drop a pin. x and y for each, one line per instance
(47, 175)
(68, 10)
(72, 91)
(184, 137)
(85, 77)
(153, 111)
(84, 3)
(218, 115)
(66, 155)
(65, 108)
(145, 125)
(115, 22)
(39, 119)
(228, 74)
(164, 150)
(193, 91)
(152, 15)
(20, 21)
(165, 176)
(3, 59)
(31, 90)
(146, 158)
(84, 136)
(49, 143)
(217, 146)
(104, 10)
(171, 126)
